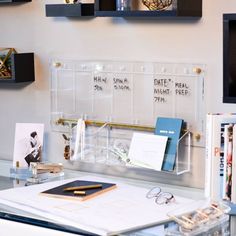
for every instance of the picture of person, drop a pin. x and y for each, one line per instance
(34, 149)
(28, 146)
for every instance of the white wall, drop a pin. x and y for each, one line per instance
(26, 28)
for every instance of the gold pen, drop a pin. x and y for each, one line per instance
(83, 187)
(79, 192)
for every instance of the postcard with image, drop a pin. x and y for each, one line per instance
(28, 143)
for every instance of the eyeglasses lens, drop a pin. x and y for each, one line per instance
(164, 198)
(153, 192)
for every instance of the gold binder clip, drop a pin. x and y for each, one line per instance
(5, 62)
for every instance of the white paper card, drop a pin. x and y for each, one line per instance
(147, 150)
(28, 143)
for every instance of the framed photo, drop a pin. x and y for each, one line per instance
(28, 144)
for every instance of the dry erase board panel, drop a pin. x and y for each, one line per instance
(128, 92)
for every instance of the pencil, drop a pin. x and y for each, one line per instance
(83, 187)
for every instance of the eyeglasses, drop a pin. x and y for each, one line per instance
(160, 197)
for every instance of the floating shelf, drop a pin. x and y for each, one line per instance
(14, 1)
(22, 67)
(185, 8)
(69, 10)
(107, 8)
(135, 13)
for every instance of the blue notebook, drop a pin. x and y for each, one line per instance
(170, 127)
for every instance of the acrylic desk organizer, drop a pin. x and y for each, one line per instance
(133, 93)
(109, 144)
(116, 97)
(37, 172)
(20, 173)
(203, 217)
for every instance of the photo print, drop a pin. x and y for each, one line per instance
(28, 144)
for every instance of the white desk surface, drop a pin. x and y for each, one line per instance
(23, 229)
(193, 193)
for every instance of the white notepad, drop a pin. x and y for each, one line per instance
(147, 150)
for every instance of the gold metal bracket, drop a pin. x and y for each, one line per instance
(71, 122)
(109, 124)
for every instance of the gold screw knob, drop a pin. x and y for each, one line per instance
(17, 164)
(197, 70)
(197, 137)
(57, 64)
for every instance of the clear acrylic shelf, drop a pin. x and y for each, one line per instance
(134, 93)
(128, 96)
(109, 145)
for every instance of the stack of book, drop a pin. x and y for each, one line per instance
(220, 173)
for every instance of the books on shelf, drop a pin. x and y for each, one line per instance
(233, 189)
(228, 158)
(219, 148)
(170, 127)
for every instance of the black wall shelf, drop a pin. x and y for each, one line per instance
(22, 68)
(185, 8)
(135, 13)
(229, 58)
(14, 1)
(107, 8)
(69, 10)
